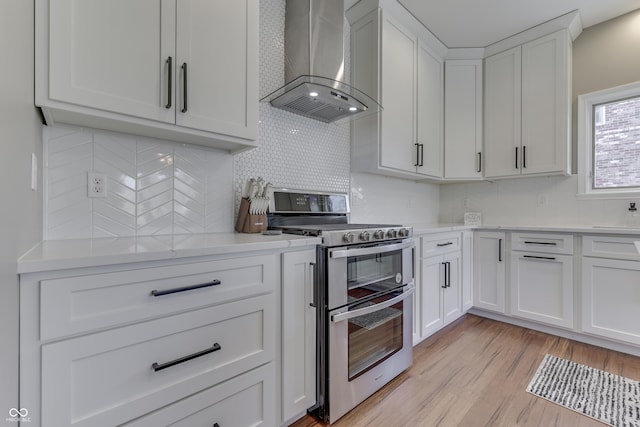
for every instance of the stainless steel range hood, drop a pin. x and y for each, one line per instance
(314, 65)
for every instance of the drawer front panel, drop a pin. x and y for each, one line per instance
(550, 243)
(611, 247)
(108, 378)
(247, 400)
(85, 303)
(440, 243)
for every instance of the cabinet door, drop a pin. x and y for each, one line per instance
(542, 288)
(466, 280)
(398, 138)
(429, 112)
(611, 298)
(489, 271)
(111, 55)
(218, 41)
(452, 294)
(502, 114)
(546, 104)
(463, 119)
(431, 286)
(298, 334)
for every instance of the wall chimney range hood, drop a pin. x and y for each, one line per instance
(314, 65)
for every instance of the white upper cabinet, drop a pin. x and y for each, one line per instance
(394, 62)
(463, 119)
(527, 109)
(120, 65)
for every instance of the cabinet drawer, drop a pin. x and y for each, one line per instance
(85, 303)
(440, 243)
(247, 400)
(550, 243)
(111, 377)
(611, 247)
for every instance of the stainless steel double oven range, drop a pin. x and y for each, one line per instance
(364, 284)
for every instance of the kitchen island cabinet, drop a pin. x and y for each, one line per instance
(172, 335)
(151, 70)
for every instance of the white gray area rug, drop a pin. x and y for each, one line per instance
(606, 397)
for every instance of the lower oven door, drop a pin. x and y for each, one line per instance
(370, 343)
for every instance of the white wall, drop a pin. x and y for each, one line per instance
(602, 57)
(20, 216)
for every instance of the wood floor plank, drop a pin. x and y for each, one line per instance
(474, 373)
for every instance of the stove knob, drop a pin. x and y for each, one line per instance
(392, 233)
(348, 237)
(365, 236)
(378, 235)
(403, 232)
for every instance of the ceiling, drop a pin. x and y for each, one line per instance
(480, 23)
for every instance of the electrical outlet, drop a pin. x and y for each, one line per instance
(96, 185)
(541, 201)
(465, 203)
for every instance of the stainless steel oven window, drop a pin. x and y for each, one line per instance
(374, 272)
(375, 336)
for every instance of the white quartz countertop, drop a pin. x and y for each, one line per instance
(438, 228)
(77, 253)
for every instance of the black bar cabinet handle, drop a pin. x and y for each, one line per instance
(524, 156)
(516, 157)
(417, 154)
(184, 87)
(314, 302)
(157, 293)
(499, 250)
(444, 283)
(444, 244)
(479, 161)
(160, 366)
(421, 154)
(539, 257)
(448, 271)
(540, 243)
(169, 81)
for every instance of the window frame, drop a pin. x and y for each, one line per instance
(586, 117)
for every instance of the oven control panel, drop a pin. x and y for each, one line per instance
(366, 235)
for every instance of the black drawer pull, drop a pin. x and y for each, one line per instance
(159, 367)
(216, 425)
(540, 243)
(444, 244)
(169, 79)
(157, 293)
(539, 257)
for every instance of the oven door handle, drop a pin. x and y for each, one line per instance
(344, 253)
(372, 308)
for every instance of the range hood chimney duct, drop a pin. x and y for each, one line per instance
(314, 65)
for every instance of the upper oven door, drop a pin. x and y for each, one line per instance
(357, 272)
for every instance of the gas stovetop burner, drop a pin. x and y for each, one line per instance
(325, 215)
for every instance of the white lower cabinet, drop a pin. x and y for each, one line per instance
(489, 271)
(542, 278)
(246, 400)
(440, 298)
(611, 298)
(184, 342)
(298, 334)
(542, 288)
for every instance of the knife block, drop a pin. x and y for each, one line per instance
(249, 223)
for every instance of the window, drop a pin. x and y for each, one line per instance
(609, 142)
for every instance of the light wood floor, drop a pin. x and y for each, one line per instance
(474, 373)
